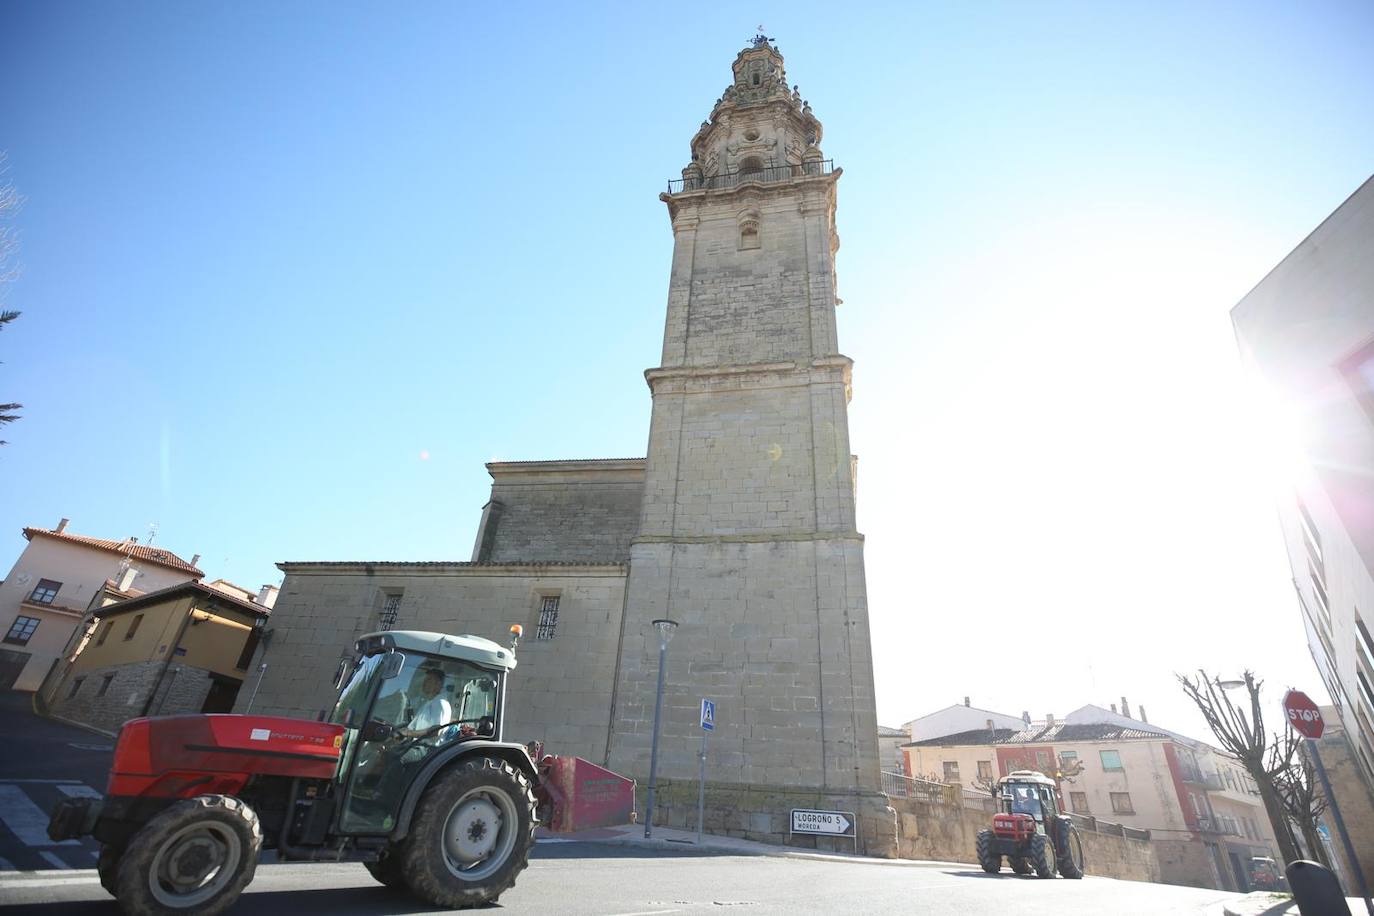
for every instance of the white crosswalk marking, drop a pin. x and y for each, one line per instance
(6, 865)
(79, 791)
(25, 819)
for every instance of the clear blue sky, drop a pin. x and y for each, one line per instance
(272, 253)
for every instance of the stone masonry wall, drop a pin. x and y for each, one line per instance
(563, 516)
(948, 832)
(560, 690)
(182, 689)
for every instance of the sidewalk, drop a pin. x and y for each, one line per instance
(1267, 904)
(685, 841)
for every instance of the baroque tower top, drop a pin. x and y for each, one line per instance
(758, 127)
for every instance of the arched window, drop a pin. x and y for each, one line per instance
(751, 167)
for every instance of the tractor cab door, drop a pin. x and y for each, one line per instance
(430, 703)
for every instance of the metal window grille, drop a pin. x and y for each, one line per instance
(21, 630)
(548, 617)
(391, 607)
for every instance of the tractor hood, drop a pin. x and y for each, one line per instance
(468, 648)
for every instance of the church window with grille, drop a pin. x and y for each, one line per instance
(548, 617)
(391, 608)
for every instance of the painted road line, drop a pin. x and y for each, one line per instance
(44, 782)
(25, 819)
(6, 865)
(80, 790)
(47, 879)
(52, 859)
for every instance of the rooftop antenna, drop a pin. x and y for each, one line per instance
(152, 532)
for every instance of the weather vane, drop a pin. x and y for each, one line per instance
(760, 40)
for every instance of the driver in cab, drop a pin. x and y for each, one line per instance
(435, 711)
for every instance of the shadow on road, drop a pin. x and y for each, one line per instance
(374, 901)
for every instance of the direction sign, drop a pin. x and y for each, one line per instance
(828, 823)
(1303, 714)
(708, 715)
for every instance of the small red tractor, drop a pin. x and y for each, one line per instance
(409, 774)
(1030, 830)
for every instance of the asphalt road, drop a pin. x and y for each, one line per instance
(592, 878)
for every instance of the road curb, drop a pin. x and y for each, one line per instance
(761, 850)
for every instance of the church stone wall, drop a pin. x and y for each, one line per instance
(561, 511)
(560, 691)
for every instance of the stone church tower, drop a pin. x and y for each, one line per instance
(747, 535)
(738, 524)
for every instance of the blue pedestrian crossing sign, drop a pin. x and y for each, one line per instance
(708, 715)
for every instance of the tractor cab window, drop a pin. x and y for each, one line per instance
(1024, 799)
(431, 703)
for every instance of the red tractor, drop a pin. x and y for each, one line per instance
(409, 774)
(1030, 830)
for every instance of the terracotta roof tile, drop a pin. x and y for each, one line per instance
(144, 552)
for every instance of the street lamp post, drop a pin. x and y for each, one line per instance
(665, 629)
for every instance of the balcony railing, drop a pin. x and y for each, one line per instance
(898, 786)
(768, 174)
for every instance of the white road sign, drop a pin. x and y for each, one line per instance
(829, 823)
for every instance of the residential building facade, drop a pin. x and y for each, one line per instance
(45, 598)
(1203, 832)
(183, 649)
(1306, 333)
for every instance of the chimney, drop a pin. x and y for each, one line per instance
(1142, 715)
(267, 596)
(131, 540)
(989, 725)
(1049, 719)
(61, 526)
(1025, 717)
(1113, 709)
(126, 579)
(1125, 708)
(195, 559)
(966, 701)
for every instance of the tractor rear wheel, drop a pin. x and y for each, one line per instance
(1071, 853)
(471, 836)
(195, 857)
(1042, 856)
(991, 861)
(1019, 865)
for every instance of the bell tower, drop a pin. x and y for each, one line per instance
(747, 535)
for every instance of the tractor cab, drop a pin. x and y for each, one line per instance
(403, 698)
(1028, 793)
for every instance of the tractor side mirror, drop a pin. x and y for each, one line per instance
(376, 730)
(391, 665)
(341, 672)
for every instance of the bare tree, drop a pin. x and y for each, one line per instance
(9, 244)
(1245, 739)
(1296, 783)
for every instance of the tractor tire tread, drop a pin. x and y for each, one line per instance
(107, 866)
(421, 863)
(1068, 866)
(132, 889)
(1041, 856)
(990, 861)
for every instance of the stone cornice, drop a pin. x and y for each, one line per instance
(450, 568)
(833, 368)
(757, 538)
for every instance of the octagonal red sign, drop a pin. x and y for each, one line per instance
(1303, 714)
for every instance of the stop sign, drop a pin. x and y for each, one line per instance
(1303, 714)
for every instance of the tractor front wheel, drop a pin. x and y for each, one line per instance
(472, 834)
(107, 867)
(195, 857)
(387, 869)
(1071, 857)
(991, 861)
(1042, 856)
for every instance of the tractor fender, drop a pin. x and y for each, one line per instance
(514, 754)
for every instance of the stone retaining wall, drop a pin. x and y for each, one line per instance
(926, 830)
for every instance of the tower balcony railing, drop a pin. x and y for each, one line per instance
(767, 174)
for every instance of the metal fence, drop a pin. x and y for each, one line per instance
(1090, 824)
(764, 174)
(897, 785)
